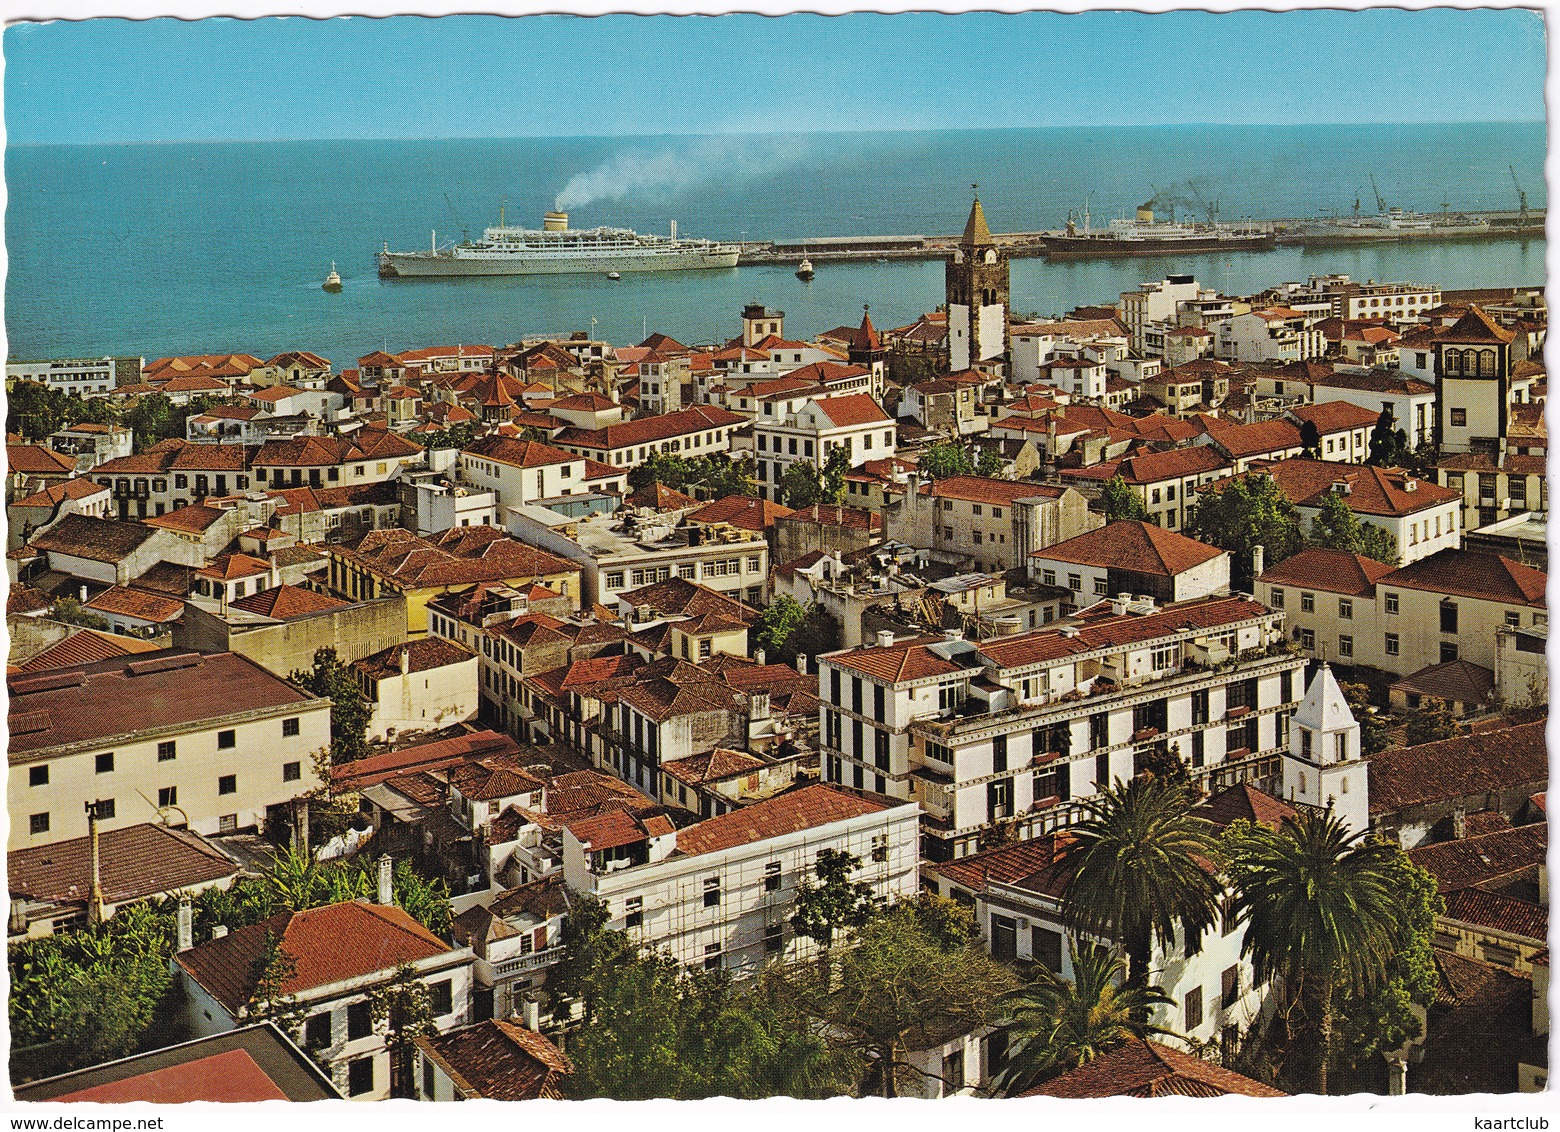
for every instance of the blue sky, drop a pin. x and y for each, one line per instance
(483, 76)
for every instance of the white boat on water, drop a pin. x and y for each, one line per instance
(804, 270)
(332, 281)
(557, 249)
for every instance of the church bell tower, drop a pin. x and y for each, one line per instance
(1323, 766)
(976, 278)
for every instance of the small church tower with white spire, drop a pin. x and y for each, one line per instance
(976, 278)
(1323, 766)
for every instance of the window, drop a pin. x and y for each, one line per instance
(1075, 582)
(292, 772)
(1276, 598)
(1345, 645)
(360, 1021)
(1345, 609)
(953, 1071)
(1101, 587)
(711, 892)
(38, 823)
(999, 753)
(880, 845)
(772, 877)
(1004, 938)
(1193, 1009)
(1307, 602)
(633, 912)
(227, 784)
(105, 809)
(1046, 947)
(441, 997)
(316, 1031)
(38, 776)
(1048, 577)
(1459, 418)
(290, 727)
(1308, 640)
(712, 957)
(1513, 618)
(879, 703)
(1230, 987)
(167, 796)
(227, 740)
(1448, 651)
(1448, 617)
(1392, 644)
(773, 938)
(360, 1076)
(1392, 603)
(105, 763)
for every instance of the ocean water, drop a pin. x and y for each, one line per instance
(202, 248)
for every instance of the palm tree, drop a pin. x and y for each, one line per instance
(1060, 1025)
(1141, 864)
(1319, 910)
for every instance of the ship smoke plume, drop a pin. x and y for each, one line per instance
(661, 175)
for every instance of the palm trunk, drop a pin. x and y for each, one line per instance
(886, 1067)
(1326, 1032)
(1139, 955)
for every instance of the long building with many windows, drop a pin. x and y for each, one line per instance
(1016, 729)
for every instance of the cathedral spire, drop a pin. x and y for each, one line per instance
(976, 231)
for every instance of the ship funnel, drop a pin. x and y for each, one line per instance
(1145, 215)
(555, 222)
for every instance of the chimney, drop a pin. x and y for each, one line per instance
(83, 594)
(885, 638)
(406, 659)
(1258, 561)
(386, 874)
(95, 903)
(186, 924)
(953, 634)
(801, 663)
(1459, 823)
(758, 656)
(531, 1013)
(219, 931)
(758, 706)
(301, 825)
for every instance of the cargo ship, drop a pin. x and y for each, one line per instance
(557, 249)
(1145, 236)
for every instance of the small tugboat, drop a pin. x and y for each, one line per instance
(614, 275)
(804, 270)
(332, 281)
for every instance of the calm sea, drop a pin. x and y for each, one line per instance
(203, 248)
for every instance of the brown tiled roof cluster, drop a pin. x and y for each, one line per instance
(438, 755)
(647, 430)
(793, 812)
(1499, 912)
(492, 777)
(1133, 545)
(1469, 765)
(52, 495)
(286, 602)
(835, 515)
(852, 410)
(615, 828)
(1471, 573)
(127, 601)
(1336, 416)
(137, 862)
(1257, 438)
(499, 1061)
(1456, 682)
(1243, 802)
(120, 697)
(459, 556)
(1391, 492)
(178, 455)
(1333, 571)
(1486, 859)
(86, 647)
(202, 365)
(327, 945)
(1140, 1068)
(99, 540)
(712, 766)
(1477, 328)
(1005, 865)
(420, 655)
(323, 451)
(519, 453)
(743, 511)
(1154, 467)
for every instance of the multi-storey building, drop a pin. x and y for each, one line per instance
(982, 523)
(703, 430)
(1494, 487)
(719, 894)
(976, 283)
(80, 377)
(855, 423)
(1017, 727)
(1273, 334)
(216, 742)
(1475, 358)
(1167, 483)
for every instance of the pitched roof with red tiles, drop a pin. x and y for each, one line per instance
(1257, 438)
(1474, 574)
(680, 597)
(1154, 467)
(86, 647)
(99, 540)
(1243, 802)
(327, 945)
(807, 808)
(499, 1061)
(438, 755)
(126, 601)
(1455, 681)
(1370, 490)
(1133, 545)
(519, 453)
(137, 861)
(1470, 765)
(1336, 416)
(421, 655)
(1138, 1068)
(646, 430)
(743, 511)
(459, 556)
(37, 460)
(196, 518)
(228, 567)
(1499, 912)
(616, 828)
(835, 515)
(904, 660)
(1004, 865)
(54, 494)
(852, 410)
(285, 602)
(1334, 571)
(712, 766)
(659, 497)
(1486, 859)
(1477, 328)
(989, 489)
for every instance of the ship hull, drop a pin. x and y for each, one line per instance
(1105, 247)
(427, 264)
(1346, 237)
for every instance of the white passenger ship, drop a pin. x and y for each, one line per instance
(557, 249)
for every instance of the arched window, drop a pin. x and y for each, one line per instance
(1302, 782)
(1486, 363)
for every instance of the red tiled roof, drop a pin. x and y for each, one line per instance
(52, 495)
(1336, 416)
(659, 497)
(420, 655)
(1140, 1068)
(1488, 858)
(1477, 328)
(807, 808)
(1470, 573)
(327, 945)
(1257, 438)
(36, 460)
(988, 489)
(1243, 802)
(712, 766)
(499, 1061)
(903, 660)
(519, 453)
(1371, 490)
(1005, 865)
(1510, 463)
(86, 647)
(647, 430)
(1136, 546)
(137, 862)
(286, 602)
(617, 828)
(459, 556)
(742, 511)
(196, 518)
(130, 602)
(1499, 912)
(835, 515)
(1455, 681)
(231, 566)
(1334, 571)
(1155, 467)
(438, 755)
(1471, 765)
(851, 410)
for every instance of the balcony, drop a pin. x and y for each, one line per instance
(510, 968)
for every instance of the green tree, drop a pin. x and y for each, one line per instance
(1388, 445)
(1119, 501)
(1434, 720)
(1339, 528)
(831, 482)
(1060, 1024)
(704, 477)
(835, 903)
(901, 988)
(801, 486)
(1374, 733)
(1139, 869)
(779, 620)
(1240, 514)
(72, 612)
(270, 1000)
(1321, 914)
(945, 459)
(989, 462)
(404, 1008)
(1310, 441)
(33, 410)
(349, 709)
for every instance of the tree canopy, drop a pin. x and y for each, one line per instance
(703, 477)
(349, 708)
(1433, 720)
(781, 618)
(1338, 528)
(946, 459)
(1119, 501)
(1240, 514)
(1388, 445)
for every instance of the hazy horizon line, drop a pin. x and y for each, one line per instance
(783, 133)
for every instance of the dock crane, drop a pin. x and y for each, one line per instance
(1381, 201)
(1522, 217)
